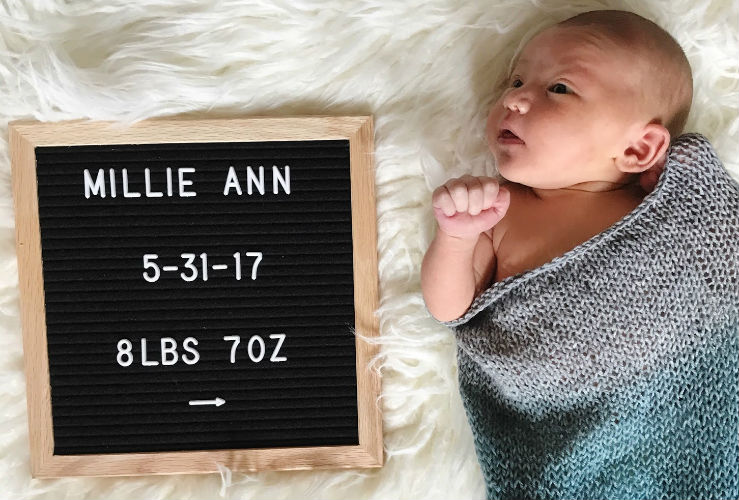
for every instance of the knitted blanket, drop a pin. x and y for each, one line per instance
(612, 370)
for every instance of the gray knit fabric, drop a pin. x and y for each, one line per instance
(612, 371)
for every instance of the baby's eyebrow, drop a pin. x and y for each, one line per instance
(580, 71)
(518, 62)
(572, 68)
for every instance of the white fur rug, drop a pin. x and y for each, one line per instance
(425, 69)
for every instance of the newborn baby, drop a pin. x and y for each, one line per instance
(590, 104)
(593, 292)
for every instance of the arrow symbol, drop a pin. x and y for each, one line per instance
(199, 402)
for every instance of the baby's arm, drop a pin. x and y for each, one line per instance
(461, 256)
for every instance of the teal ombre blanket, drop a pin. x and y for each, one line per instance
(612, 371)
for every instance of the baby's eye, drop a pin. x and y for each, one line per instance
(516, 83)
(559, 88)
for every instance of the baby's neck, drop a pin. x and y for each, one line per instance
(591, 189)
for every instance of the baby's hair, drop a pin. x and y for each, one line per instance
(668, 84)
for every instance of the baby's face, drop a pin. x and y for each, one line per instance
(566, 113)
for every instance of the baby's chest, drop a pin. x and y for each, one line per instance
(532, 235)
(536, 244)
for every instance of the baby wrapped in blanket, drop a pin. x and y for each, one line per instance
(594, 291)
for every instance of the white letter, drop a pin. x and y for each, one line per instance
(147, 182)
(277, 176)
(124, 350)
(232, 181)
(235, 339)
(196, 355)
(237, 258)
(190, 258)
(280, 339)
(111, 176)
(98, 186)
(172, 349)
(185, 182)
(251, 178)
(169, 181)
(254, 266)
(144, 361)
(151, 265)
(126, 193)
(261, 348)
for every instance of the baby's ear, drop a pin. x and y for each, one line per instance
(645, 150)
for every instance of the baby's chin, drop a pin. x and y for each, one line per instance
(513, 173)
(528, 175)
(514, 180)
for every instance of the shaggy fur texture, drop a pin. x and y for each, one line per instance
(425, 69)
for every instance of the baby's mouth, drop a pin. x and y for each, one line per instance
(506, 136)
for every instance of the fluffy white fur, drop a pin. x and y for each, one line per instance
(426, 71)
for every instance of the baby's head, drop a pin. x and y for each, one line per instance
(592, 100)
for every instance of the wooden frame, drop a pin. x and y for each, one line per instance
(26, 135)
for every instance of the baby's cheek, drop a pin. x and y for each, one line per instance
(494, 118)
(491, 131)
(575, 151)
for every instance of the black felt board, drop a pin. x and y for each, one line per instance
(96, 295)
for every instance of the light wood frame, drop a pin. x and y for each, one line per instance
(26, 135)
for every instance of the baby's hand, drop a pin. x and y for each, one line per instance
(467, 206)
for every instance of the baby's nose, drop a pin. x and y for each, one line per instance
(517, 101)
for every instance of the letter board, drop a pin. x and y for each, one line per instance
(190, 292)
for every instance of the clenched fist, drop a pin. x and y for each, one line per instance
(467, 206)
